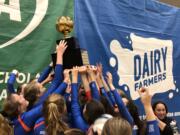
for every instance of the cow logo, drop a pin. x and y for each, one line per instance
(148, 64)
(21, 19)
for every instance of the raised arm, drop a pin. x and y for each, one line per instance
(11, 81)
(152, 124)
(62, 87)
(83, 73)
(45, 74)
(78, 121)
(122, 108)
(58, 72)
(101, 86)
(105, 85)
(48, 79)
(100, 71)
(92, 84)
(60, 49)
(67, 96)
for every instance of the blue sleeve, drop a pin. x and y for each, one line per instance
(152, 128)
(94, 91)
(103, 91)
(56, 81)
(29, 118)
(110, 94)
(10, 83)
(60, 90)
(44, 74)
(67, 97)
(26, 121)
(122, 108)
(78, 121)
(39, 127)
(40, 130)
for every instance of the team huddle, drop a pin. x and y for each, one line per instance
(78, 101)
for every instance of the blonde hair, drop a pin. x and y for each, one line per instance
(74, 131)
(117, 126)
(5, 128)
(53, 110)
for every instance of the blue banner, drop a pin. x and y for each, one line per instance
(136, 40)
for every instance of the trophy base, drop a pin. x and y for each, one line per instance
(72, 56)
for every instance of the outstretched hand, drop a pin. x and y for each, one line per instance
(109, 78)
(99, 68)
(82, 69)
(15, 72)
(146, 101)
(145, 96)
(66, 75)
(61, 47)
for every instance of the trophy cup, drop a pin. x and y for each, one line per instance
(73, 56)
(64, 25)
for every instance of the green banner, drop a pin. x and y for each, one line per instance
(28, 36)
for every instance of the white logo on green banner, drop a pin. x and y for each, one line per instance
(13, 9)
(16, 16)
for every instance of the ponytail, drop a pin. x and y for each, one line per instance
(53, 109)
